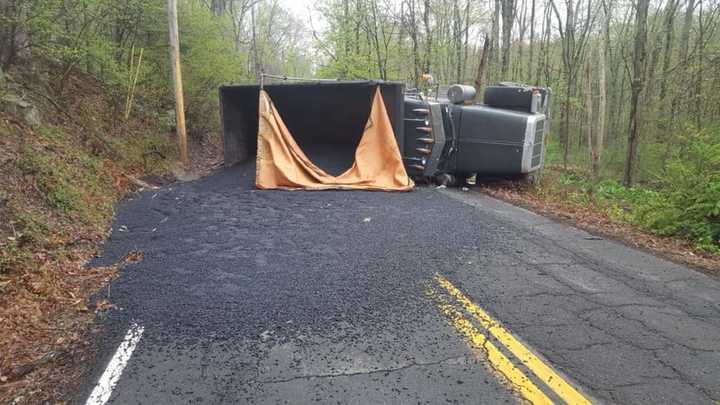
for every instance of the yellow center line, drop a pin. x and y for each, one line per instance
(498, 361)
(558, 384)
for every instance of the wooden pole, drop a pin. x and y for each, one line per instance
(177, 80)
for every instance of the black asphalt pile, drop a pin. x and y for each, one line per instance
(222, 259)
(298, 297)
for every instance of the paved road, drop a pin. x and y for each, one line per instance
(434, 296)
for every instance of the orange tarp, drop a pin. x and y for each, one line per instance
(282, 164)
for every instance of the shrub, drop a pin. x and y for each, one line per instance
(682, 201)
(689, 205)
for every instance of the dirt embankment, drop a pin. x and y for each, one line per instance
(65, 159)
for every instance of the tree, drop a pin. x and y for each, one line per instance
(13, 31)
(428, 37)
(638, 83)
(481, 74)
(573, 38)
(412, 24)
(601, 114)
(508, 10)
(495, 35)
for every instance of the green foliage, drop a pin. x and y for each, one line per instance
(689, 205)
(71, 180)
(33, 229)
(553, 154)
(57, 187)
(281, 40)
(349, 67)
(100, 37)
(208, 60)
(152, 153)
(684, 200)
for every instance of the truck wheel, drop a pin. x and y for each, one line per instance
(533, 178)
(446, 179)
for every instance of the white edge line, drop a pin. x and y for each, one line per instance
(102, 391)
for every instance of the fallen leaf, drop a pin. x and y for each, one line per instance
(133, 256)
(104, 305)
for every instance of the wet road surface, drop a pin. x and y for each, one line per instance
(434, 296)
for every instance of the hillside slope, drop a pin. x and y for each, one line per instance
(65, 159)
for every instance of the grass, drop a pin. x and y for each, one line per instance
(641, 206)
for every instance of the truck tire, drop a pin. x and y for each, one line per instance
(533, 178)
(446, 179)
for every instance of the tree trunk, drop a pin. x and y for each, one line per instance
(697, 102)
(345, 28)
(532, 41)
(358, 13)
(685, 36)
(669, 32)
(522, 27)
(413, 30)
(508, 17)
(542, 65)
(457, 40)
(589, 117)
(567, 111)
(481, 75)
(428, 37)
(218, 7)
(495, 45)
(375, 40)
(601, 113)
(467, 39)
(638, 82)
(255, 54)
(14, 36)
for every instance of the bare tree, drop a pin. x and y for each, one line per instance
(638, 83)
(412, 24)
(532, 40)
(685, 36)
(495, 35)
(428, 36)
(543, 62)
(573, 38)
(481, 74)
(669, 31)
(589, 117)
(602, 111)
(13, 34)
(467, 38)
(522, 24)
(508, 10)
(257, 63)
(457, 25)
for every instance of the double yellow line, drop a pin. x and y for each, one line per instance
(498, 360)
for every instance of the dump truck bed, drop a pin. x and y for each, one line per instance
(326, 118)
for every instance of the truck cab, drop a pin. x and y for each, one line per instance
(454, 138)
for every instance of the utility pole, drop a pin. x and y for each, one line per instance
(177, 80)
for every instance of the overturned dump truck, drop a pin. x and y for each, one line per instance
(339, 134)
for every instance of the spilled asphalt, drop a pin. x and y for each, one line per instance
(250, 296)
